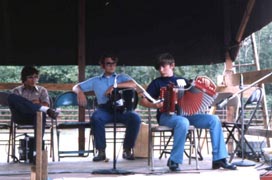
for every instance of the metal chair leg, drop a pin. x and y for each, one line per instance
(196, 146)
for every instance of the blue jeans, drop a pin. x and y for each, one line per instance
(180, 124)
(101, 117)
(24, 112)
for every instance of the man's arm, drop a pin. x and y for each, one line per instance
(44, 97)
(126, 84)
(81, 97)
(146, 103)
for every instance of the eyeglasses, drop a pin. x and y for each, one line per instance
(32, 77)
(110, 63)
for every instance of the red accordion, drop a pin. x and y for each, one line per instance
(195, 99)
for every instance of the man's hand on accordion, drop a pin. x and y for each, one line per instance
(148, 101)
(159, 105)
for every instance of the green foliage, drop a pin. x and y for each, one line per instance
(263, 40)
(10, 74)
(58, 74)
(263, 43)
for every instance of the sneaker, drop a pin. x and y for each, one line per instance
(101, 156)
(172, 165)
(52, 113)
(128, 154)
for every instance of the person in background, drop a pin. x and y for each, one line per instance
(28, 98)
(165, 65)
(103, 87)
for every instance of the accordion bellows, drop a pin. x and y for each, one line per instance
(193, 100)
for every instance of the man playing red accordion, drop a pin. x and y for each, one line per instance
(180, 123)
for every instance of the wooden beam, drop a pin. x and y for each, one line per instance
(259, 132)
(81, 40)
(250, 77)
(264, 102)
(81, 65)
(244, 21)
(48, 86)
(232, 81)
(40, 165)
(227, 34)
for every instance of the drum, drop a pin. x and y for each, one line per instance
(126, 99)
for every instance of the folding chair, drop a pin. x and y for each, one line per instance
(250, 108)
(68, 102)
(120, 128)
(5, 125)
(27, 131)
(232, 106)
(165, 135)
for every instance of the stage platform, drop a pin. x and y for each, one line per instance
(83, 168)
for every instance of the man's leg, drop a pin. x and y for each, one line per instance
(133, 122)
(26, 108)
(212, 122)
(22, 105)
(180, 126)
(98, 120)
(219, 150)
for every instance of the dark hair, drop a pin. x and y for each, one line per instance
(27, 71)
(113, 57)
(163, 59)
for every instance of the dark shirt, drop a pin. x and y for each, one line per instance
(154, 87)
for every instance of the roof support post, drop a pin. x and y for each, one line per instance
(244, 21)
(228, 70)
(228, 62)
(81, 66)
(262, 85)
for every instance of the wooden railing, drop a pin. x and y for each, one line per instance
(48, 86)
(71, 114)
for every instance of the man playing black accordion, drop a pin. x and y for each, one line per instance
(180, 122)
(104, 86)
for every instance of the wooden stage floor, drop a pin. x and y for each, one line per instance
(83, 168)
